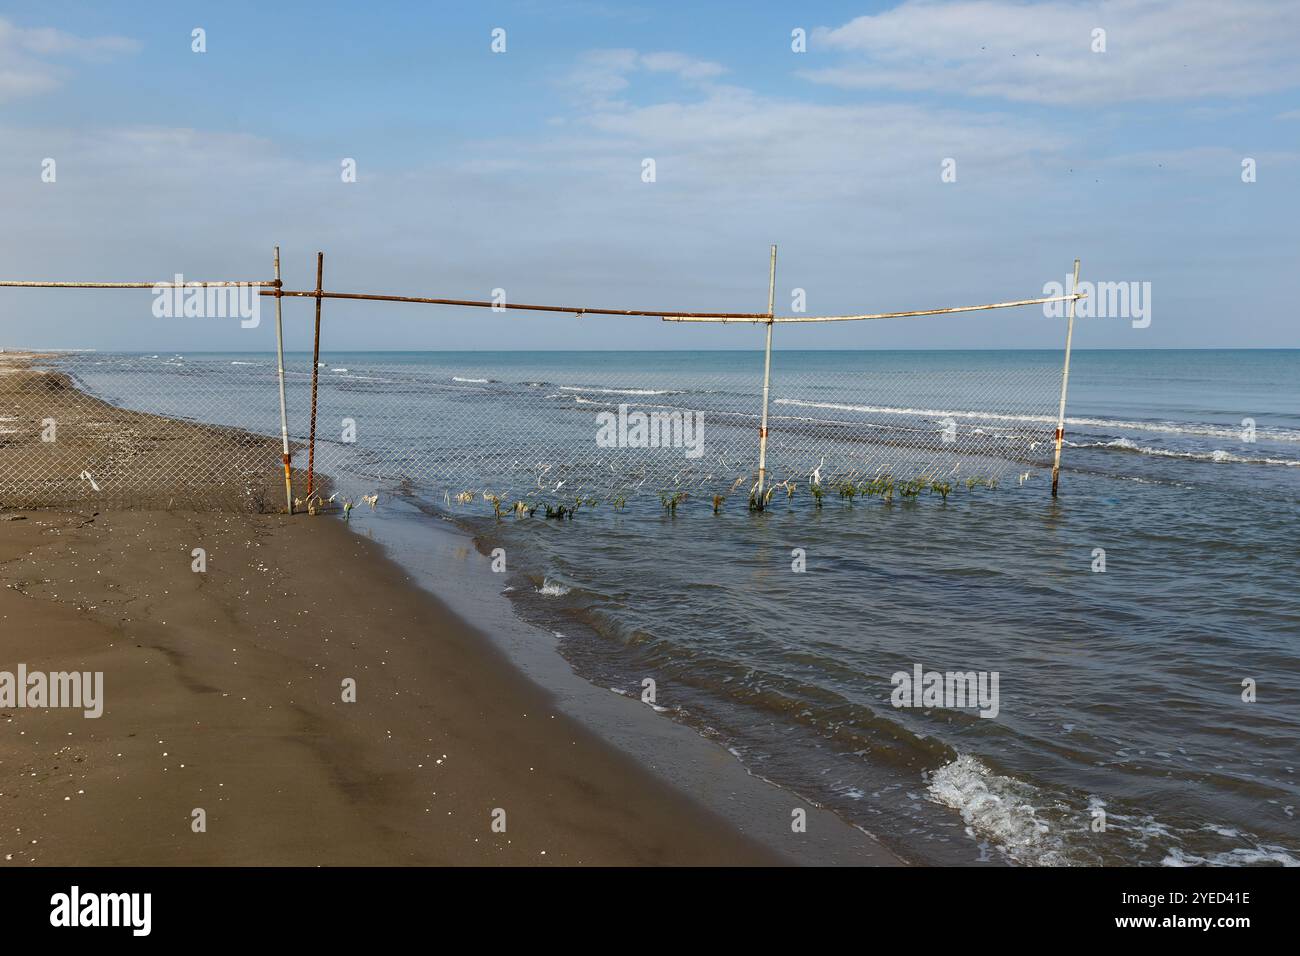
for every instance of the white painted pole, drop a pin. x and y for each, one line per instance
(284, 416)
(1065, 383)
(767, 375)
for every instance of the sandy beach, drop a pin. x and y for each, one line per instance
(224, 692)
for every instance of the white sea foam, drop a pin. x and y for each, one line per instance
(621, 391)
(366, 378)
(1124, 444)
(998, 808)
(1242, 856)
(918, 412)
(552, 589)
(1179, 428)
(476, 381)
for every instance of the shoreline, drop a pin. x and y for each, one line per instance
(222, 693)
(698, 765)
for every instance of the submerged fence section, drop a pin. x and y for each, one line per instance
(539, 429)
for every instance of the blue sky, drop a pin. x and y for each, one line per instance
(522, 170)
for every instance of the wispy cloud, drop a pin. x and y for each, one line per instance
(30, 59)
(602, 74)
(729, 142)
(1044, 52)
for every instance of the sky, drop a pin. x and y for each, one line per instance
(523, 170)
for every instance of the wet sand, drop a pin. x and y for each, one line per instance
(224, 692)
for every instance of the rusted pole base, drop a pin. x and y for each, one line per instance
(288, 484)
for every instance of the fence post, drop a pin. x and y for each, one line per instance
(767, 374)
(1065, 382)
(315, 368)
(284, 415)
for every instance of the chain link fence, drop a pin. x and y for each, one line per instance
(542, 428)
(125, 440)
(605, 425)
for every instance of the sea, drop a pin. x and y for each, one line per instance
(1141, 628)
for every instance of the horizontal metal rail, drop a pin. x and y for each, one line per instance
(488, 304)
(14, 284)
(271, 288)
(885, 315)
(666, 315)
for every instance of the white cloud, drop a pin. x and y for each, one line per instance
(27, 56)
(682, 65)
(730, 142)
(561, 217)
(1042, 52)
(600, 74)
(16, 82)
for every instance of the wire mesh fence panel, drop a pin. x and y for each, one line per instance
(539, 427)
(537, 423)
(940, 417)
(99, 429)
(561, 426)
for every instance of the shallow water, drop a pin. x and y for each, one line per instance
(1120, 692)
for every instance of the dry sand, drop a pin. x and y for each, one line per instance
(223, 692)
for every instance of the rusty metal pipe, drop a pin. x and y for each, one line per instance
(14, 284)
(487, 304)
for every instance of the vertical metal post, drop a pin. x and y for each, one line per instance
(315, 368)
(1065, 383)
(767, 374)
(284, 415)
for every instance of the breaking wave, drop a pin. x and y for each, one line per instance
(1000, 809)
(1124, 444)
